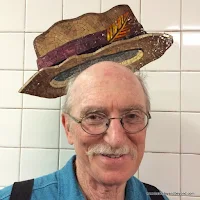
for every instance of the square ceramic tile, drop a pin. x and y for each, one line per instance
(12, 42)
(40, 15)
(30, 101)
(10, 83)
(163, 133)
(170, 61)
(190, 132)
(65, 155)
(190, 198)
(157, 169)
(164, 90)
(134, 5)
(190, 15)
(63, 139)
(190, 165)
(12, 15)
(190, 51)
(30, 59)
(75, 8)
(160, 15)
(10, 127)
(9, 168)
(38, 162)
(190, 98)
(40, 128)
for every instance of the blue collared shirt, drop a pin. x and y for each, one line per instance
(63, 185)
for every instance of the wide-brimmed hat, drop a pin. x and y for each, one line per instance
(70, 46)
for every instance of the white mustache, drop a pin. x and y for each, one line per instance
(108, 150)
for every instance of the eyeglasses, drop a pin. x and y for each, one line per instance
(97, 123)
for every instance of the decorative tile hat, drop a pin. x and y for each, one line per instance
(75, 44)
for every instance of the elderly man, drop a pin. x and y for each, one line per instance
(105, 116)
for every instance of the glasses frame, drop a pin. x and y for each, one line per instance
(79, 121)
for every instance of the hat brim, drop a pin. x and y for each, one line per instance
(145, 48)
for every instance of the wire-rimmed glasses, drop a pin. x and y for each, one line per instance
(96, 123)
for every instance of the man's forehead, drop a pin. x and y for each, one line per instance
(106, 71)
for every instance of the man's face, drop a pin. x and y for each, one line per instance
(111, 90)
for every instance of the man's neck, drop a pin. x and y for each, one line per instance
(92, 190)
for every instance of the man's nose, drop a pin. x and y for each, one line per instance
(115, 134)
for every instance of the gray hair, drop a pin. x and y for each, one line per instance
(68, 99)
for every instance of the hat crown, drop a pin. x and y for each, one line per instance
(67, 30)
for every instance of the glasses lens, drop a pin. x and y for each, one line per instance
(94, 123)
(134, 121)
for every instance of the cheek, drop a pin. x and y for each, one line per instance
(82, 141)
(139, 141)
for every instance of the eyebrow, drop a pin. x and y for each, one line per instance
(133, 107)
(93, 109)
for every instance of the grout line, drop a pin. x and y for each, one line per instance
(62, 10)
(144, 70)
(39, 32)
(140, 19)
(49, 109)
(100, 6)
(59, 109)
(20, 150)
(180, 56)
(174, 153)
(59, 136)
(13, 70)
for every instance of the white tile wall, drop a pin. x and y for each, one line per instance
(190, 51)
(164, 90)
(37, 162)
(9, 170)
(162, 170)
(190, 198)
(171, 161)
(10, 82)
(10, 130)
(190, 97)
(40, 15)
(166, 136)
(75, 8)
(40, 128)
(12, 15)
(190, 165)
(11, 50)
(160, 15)
(190, 15)
(190, 135)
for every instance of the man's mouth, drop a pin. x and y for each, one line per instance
(112, 155)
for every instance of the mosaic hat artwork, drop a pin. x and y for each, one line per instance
(73, 45)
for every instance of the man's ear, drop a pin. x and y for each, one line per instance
(65, 122)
